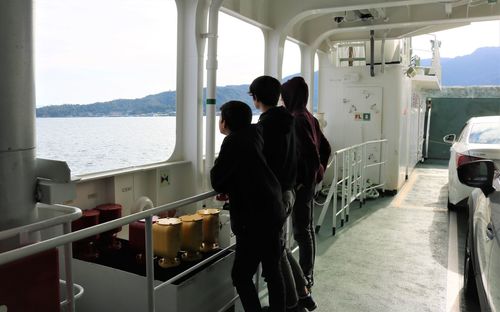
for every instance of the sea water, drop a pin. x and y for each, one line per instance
(96, 144)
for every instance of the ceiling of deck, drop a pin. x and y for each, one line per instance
(314, 22)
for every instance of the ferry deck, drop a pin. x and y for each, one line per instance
(400, 253)
(397, 253)
(393, 253)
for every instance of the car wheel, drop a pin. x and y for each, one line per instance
(470, 287)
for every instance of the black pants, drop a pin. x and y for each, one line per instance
(303, 228)
(294, 279)
(250, 251)
(292, 272)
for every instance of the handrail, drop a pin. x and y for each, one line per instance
(76, 296)
(68, 237)
(352, 161)
(29, 250)
(72, 213)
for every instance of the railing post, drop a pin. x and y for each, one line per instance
(150, 263)
(359, 177)
(342, 214)
(68, 267)
(383, 158)
(363, 167)
(331, 192)
(350, 155)
(335, 191)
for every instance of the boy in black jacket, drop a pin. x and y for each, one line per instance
(256, 209)
(278, 132)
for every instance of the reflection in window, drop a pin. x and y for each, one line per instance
(485, 133)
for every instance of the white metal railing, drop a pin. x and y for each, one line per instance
(69, 237)
(349, 174)
(69, 214)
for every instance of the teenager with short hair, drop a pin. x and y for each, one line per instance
(280, 152)
(256, 209)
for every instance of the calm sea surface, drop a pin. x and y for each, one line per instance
(96, 144)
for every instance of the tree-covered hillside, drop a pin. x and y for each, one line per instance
(479, 68)
(156, 104)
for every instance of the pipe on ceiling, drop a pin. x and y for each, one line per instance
(372, 53)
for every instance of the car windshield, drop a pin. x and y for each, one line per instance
(485, 133)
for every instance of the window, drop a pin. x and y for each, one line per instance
(463, 133)
(485, 133)
(351, 54)
(119, 57)
(241, 60)
(291, 60)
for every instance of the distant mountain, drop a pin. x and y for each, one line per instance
(151, 105)
(162, 104)
(482, 67)
(479, 68)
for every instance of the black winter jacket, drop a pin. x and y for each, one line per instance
(279, 145)
(241, 171)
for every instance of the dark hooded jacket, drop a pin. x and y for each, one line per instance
(279, 145)
(313, 149)
(241, 171)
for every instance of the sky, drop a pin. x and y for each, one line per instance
(463, 40)
(100, 50)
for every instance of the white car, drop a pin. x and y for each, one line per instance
(482, 248)
(479, 139)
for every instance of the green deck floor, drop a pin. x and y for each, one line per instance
(392, 255)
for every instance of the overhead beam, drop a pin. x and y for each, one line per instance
(317, 42)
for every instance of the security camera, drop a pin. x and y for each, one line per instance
(338, 19)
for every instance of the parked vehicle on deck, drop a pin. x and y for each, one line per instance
(482, 250)
(479, 139)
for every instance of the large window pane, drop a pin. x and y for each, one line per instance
(291, 59)
(240, 57)
(100, 51)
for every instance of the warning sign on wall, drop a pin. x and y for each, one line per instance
(362, 116)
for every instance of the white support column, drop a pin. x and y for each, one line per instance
(274, 44)
(191, 24)
(307, 71)
(17, 115)
(211, 87)
(324, 62)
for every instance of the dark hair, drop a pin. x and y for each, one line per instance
(236, 114)
(265, 89)
(295, 94)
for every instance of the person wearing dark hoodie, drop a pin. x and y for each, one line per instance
(313, 153)
(278, 132)
(256, 210)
